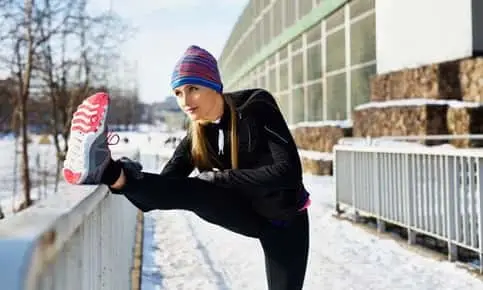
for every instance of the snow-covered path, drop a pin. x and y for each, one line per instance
(183, 252)
(188, 253)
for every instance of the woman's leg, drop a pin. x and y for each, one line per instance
(88, 161)
(286, 252)
(212, 203)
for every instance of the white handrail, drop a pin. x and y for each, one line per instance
(82, 238)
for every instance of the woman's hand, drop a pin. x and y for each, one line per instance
(208, 176)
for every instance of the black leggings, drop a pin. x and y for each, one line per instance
(285, 246)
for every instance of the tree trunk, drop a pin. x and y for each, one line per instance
(24, 101)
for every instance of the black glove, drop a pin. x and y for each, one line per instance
(132, 168)
(208, 176)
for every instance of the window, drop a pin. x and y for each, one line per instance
(265, 3)
(272, 86)
(304, 7)
(298, 105)
(263, 82)
(266, 28)
(361, 85)
(336, 19)
(272, 60)
(336, 51)
(357, 7)
(315, 102)
(336, 97)
(259, 36)
(284, 77)
(314, 63)
(289, 12)
(363, 40)
(283, 53)
(276, 11)
(314, 34)
(284, 105)
(297, 43)
(297, 69)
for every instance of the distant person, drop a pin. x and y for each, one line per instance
(251, 175)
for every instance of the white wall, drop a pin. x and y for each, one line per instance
(412, 33)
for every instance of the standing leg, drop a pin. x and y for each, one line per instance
(286, 252)
(226, 208)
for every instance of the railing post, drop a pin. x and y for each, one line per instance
(353, 184)
(409, 170)
(479, 191)
(375, 179)
(381, 225)
(336, 182)
(451, 190)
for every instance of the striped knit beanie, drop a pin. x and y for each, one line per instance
(197, 67)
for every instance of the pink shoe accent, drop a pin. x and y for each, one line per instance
(93, 110)
(307, 204)
(70, 176)
(87, 119)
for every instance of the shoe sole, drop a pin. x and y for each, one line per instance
(94, 107)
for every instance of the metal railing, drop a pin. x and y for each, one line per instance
(410, 138)
(82, 238)
(433, 191)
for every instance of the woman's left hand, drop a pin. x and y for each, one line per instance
(208, 176)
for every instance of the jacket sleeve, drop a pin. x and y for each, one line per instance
(180, 164)
(285, 172)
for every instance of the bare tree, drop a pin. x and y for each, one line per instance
(24, 73)
(85, 43)
(59, 52)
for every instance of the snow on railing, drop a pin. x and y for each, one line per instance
(82, 238)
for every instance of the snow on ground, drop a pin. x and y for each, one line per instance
(418, 102)
(42, 162)
(328, 123)
(184, 252)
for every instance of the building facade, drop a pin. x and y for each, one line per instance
(315, 56)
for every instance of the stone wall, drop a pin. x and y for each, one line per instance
(321, 138)
(400, 121)
(421, 120)
(459, 80)
(317, 167)
(463, 121)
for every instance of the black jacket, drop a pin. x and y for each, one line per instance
(270, 171)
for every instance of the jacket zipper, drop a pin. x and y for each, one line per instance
(276, 134)
(249, 139)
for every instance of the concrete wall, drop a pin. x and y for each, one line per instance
(413, 33)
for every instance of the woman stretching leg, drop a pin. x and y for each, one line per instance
(250, 179)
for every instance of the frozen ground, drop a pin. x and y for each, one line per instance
(183, 252)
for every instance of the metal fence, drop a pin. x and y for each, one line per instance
(433, 191)
(82, 238)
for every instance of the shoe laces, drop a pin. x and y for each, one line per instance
(113, 138)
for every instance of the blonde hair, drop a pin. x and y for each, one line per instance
(199, 146)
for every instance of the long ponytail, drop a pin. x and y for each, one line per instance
(199, 146)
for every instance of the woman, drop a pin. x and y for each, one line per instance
(250, 179)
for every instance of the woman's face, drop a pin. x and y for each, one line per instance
(198, 102)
